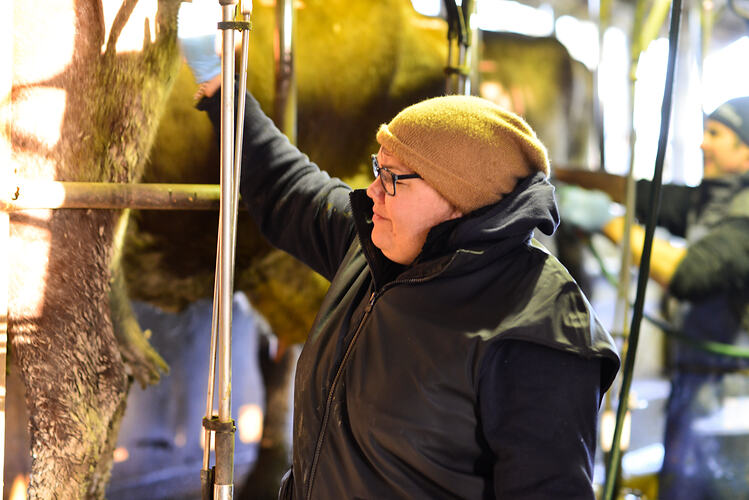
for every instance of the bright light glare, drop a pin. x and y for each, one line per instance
(32, 103)
(19, 487)
(644, 461)
(198, 18)
(494, 15)
(131, 36)
(608, 425)
(580, 38)
(515, 17)
(120, 454)
(427, 7)
(651, 78)
(250, 423)
(725, 76)
(614, 93)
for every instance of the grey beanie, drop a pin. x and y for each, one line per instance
(735, 115)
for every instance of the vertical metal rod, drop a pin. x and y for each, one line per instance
(474, 54)
(466, 41)
(461, 65)
(449, 85)
(241, 94)
(227, 155)
(285, 113)
(224, 442)
(212, 357)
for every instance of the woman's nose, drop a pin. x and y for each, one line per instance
(375, 190)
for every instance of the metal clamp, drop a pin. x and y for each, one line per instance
(235, 25)
(215, 425)
(457, 70)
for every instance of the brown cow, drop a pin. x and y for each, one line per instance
(85, 102)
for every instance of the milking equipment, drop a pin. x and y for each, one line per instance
(217, 482)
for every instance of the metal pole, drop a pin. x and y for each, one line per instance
(218, 284)
(21, 194)
(450, 76)
(227, 155)
(245, 8)
(285, 112)
(223, 488)
(206, 474)
(467, 40)
(453, 37)
(461, 64)
(474, 53)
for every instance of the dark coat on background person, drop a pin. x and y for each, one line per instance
(712, 284)
(712, 280)
(475, 372)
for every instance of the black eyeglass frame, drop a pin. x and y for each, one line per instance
(377, 169)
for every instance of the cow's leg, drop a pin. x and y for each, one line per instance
(64, 343)
(108, 105)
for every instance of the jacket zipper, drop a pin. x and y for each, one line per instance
(334, 384)
(331, 392)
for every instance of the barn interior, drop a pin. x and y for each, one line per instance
(103, 153)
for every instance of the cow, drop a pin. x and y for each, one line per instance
(89, 84)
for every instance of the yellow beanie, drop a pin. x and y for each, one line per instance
(467, 148)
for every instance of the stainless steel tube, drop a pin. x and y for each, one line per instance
(227, 156)
(238, 139)
(450, 78)
(461, 66)
(224, 433)
(285, 105)
(223, 492)
(212, 356)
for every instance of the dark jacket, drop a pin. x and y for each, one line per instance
(475, 372)
(712, 280)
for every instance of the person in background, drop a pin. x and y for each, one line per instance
(453, 356)
(707, 429)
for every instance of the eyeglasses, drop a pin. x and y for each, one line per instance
(388, 178)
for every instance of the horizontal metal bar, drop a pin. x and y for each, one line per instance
(26, 195)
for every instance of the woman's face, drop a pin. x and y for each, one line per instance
(402, 222)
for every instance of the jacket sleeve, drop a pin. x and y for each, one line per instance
(298, 207)
(717, 262)
(539, 413)
(676, 200)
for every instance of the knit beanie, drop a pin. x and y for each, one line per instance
(468, 149)
(734, 114)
